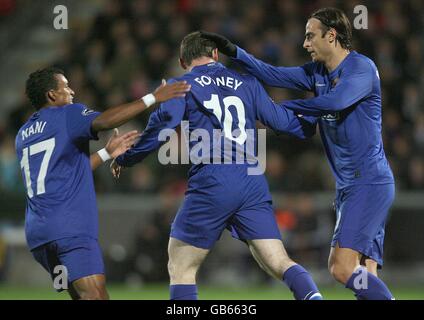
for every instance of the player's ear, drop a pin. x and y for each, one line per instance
(332, 34)
(182, 64)
(215, 54)
(51, 95)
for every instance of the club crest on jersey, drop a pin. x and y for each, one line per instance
(331, 116)
(87, 111)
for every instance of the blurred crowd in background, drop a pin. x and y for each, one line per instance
(131, 45)
(125, 51)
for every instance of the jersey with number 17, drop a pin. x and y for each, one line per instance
(53, 150)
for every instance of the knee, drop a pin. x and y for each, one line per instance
(341, 271)
(181, 272)
(171, 268)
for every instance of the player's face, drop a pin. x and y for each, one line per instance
(316, 45)
(63, 95)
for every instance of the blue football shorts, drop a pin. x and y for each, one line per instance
(362, 211)
(225, 197)
(81, 256)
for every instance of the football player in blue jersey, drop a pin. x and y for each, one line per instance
(347, 99)
(61, 221)
(221, 110)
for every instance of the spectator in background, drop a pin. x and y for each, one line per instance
(7, 7)
(150, 257)
(9, 168)
(275, 37)
(135, 30)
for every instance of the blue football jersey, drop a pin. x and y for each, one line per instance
(53, 150)
(348, 104)
(220, 113)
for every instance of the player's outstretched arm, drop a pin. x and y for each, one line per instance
(116, 146)
(168, 116)
(298, 78)
(355, 84)
(117, 116)
(280, 119)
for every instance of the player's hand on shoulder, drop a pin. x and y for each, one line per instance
(118, 144)
(224, 45)
(115, 169)
(169, 91)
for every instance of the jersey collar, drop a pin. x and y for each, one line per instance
(206, 66)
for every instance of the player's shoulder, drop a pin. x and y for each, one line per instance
(242, 76)
(185, 77)
(74, 106)
(55, 111)
(77, 108)
(37, 121)
(359, 61)
(42, 114)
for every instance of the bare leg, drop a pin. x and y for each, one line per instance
(271, 256)
(90, 288)
(370, 264)
(343, 262)
(184, 261)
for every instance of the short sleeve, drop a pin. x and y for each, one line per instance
(78, 121)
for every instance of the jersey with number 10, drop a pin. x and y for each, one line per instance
(222, 107)
(53, 151)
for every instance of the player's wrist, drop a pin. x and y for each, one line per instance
(104, 155)
(149, 99)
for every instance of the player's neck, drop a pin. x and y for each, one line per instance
(200, 61)
(335, 59)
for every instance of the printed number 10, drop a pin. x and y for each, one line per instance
(214, 105)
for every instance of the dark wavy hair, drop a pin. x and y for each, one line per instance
(39, 83)
(336, 19)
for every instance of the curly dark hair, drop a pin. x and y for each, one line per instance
(39, 83)
(337, 19)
